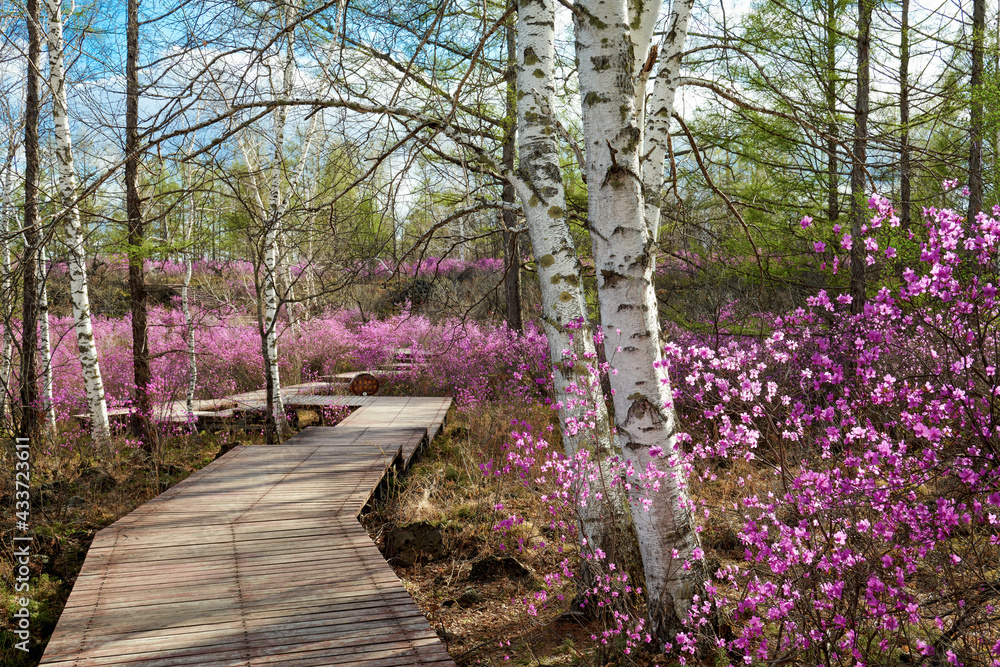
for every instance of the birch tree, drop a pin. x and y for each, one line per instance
(45, 343)
(564, 307)
(268, 326)
(6, 283)
(67, 188)
(616, 58)
(613, 58)
(190, 212)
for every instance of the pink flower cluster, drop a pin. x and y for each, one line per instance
(859, 457)
(471, 361)
(872, 483)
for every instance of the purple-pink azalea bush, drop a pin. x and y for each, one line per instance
(474, 362)
(859, 460)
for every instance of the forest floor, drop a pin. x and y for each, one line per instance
(472, 581)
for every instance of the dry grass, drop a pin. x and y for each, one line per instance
(447, 489)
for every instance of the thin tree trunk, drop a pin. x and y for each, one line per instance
(298, 184)
(976, 111)
(653, 122)
(289, 287)
(995, 133)
(143, 409)
(859, 200)
(511, 254)
(623, 241)
(564, 309)
(93, 383)
(269, 333)
(45, 343)
(28, 425)
(6, 224)
(192, 357)
(832, 129)
(904, 117)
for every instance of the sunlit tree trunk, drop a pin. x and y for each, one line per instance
(45, 343)
(27, 425)
(623, 252)
(564, 310)
(289, 287)
(192, 356)
(976, 111)
(6, 224)
(143, 409)
(67, 186)
(655, 115)
(271, 231)
(297, 184)
(511, 254)
(859, 199)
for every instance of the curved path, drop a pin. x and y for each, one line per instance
(258, 559)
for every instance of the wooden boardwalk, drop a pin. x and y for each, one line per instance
(258, 559)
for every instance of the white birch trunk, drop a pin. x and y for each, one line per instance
(623, 246)
(6, 216)
(86, 345)
(297, 184)
(274, 221)
(192, 357)
(559, 271)
(289, 289)
(45, 343)
(655, 121)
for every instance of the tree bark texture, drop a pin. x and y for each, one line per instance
(142, 409)
(511, 253)
(623, 246)
(45, 344)
(6, 283)
(859, 199)
(276, 407)
(192, 356)
(654, 117)
(904, 116)
(77, 267)
(976, 111)
(28, 422)
(582, 414)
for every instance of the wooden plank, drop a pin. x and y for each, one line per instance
(258, 559)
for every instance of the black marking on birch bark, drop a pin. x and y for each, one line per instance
(642, 408)
(615, 171)
(612, 278)
(650, 61)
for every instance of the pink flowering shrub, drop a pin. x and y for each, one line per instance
(474, 362)
(880, 434)
(858, 458)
